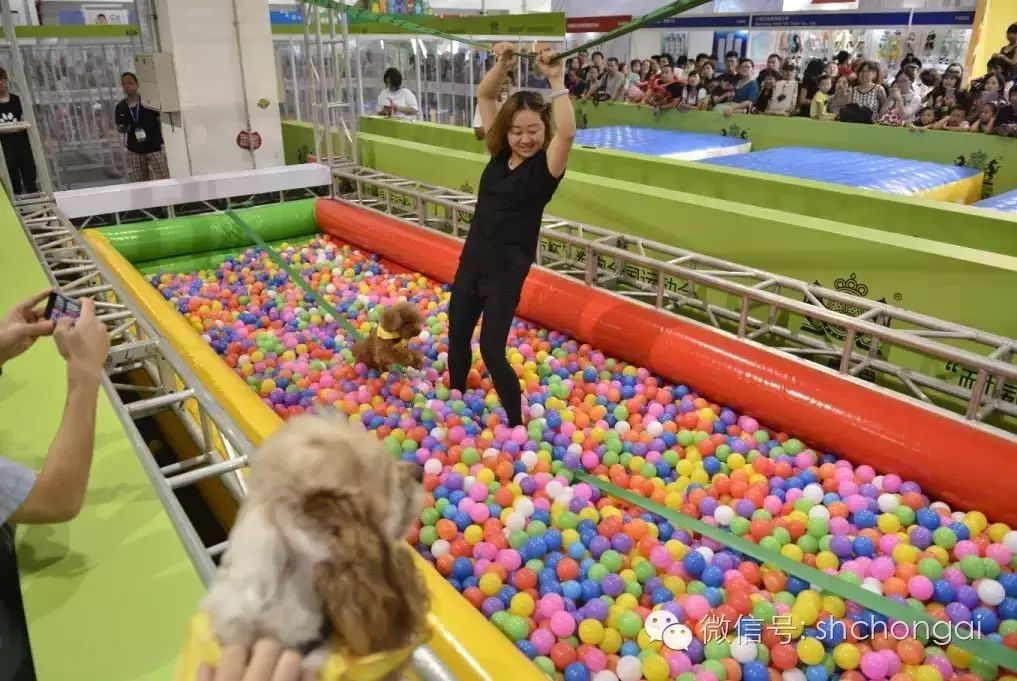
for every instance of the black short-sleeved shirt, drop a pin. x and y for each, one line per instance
(132, 118)
(506, 226)
(14, 144)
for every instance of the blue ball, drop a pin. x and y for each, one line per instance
(527, 648)
(864, 546)
(816, 672)
(714, 576)
(629, 648)
(462, 568)
(1009, 582)
(984, 620)
(1007, 610)
(577, 672)
(694, 563)
(943, 592)
(755, 671)
(572, 589)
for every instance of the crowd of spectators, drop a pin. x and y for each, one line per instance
(844, 89)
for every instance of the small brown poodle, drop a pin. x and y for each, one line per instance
(317, 558)
(387, 344)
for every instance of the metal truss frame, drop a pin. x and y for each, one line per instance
(690, 284)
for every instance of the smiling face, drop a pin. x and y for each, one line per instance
(927, 117)
(949, 81)
(830, 69)
(526, 134)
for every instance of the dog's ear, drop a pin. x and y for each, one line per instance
(372, 591)
(390, 319)
(411, 320)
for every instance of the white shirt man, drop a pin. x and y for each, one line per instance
(395, 104)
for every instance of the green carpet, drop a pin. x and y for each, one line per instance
(108, 595)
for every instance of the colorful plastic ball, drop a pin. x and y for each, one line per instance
(847, 656)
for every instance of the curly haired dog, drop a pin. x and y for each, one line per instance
(316, 558)
(387, 343)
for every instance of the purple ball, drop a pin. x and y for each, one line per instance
(622, 543)
(695, 651)
(869, 490)
(577, 505)
(491, 605)
(739, 446)
(958, 612)
(453, 481)
(675, 608)
(841, 546)
(744, 508)
(921, 537)
(612, 585)
(682, 536)
(597, 609)
(723, 561)
(707, 506)
(967, 595)
(651, 584)
(528, 485)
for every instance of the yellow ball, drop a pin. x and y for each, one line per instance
(627, 602)
(591, 631)
(834, 606)
(485, 475)
(673, 500)
(490, 584)
(847, 656)
(927, 672)
(522, 604)
(791, 551)
(569, 537)
(940, 554)
(656, 668)
(977, 521)
(805, 613)
(997, 531)
(611, 642)
(676, 549)
(684, 467)
(905, 553)
(473, 535)
(888, 523)
(827, 560)
(674, 584)
(809, 598)
(958, 657)
(811, 651)
(735, 461)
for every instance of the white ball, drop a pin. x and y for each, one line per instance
(707, 553)
(536, 411)
(432, 467)
(877, 482)
(888, 503)
(743, 650)
(468, 481)
(575, 449)
(622, 427)
(524, 505)
(438, 434)
(604, 675)
(490, 453)
(515, 522)
(424, 335)
(793, 675)
(724, 515)
(813, 493)
(819, 512)
(629, 668)
(529, 459)
(554, 489)
(654, 428)
(1010, 540)
(938, 506)
(440, 548)
(872, 584)
(330, 288)
(958, 516)
(990, 591)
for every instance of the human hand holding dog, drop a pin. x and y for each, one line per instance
(265, 661)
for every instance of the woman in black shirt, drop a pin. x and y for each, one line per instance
(16, 146)
(528, 158)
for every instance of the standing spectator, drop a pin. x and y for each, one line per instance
(664, 60)
(681, 67)
(695, 96)
(830, 69)
(611, 85)
(17, 147)
(701, 59)
(396, 101)
(929, 79)
(1008, 54)
(910, 68)
(789, 72)
(746, 90)
(731, 66)
(707, 75)
(665, 89)
(843, 60)
(774, 62)
(867, 97)
(810, 82)
(142, 133)
(901, 104)
(598, 61)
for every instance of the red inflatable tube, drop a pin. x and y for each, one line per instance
(961, 464)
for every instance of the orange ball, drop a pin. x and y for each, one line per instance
(910, 651)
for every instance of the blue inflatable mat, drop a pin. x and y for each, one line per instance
(900, 176)
(686, 146)
(1004, 202)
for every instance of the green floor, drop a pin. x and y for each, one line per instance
(108, 595)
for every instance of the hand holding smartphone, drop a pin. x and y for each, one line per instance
(59, 306)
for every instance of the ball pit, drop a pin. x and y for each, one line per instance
(571, 576)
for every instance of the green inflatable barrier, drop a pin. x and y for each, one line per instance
(199, 261)
(145, 242)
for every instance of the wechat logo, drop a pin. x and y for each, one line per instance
(662, 625)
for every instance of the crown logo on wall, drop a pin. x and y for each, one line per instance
(851, 285)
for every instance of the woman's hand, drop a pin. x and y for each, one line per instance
(551, 69)
(266, 661)
(505, 52)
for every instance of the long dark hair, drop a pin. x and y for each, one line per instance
(524, 100)
(810, 76)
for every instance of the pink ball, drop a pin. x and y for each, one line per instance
(865, 473)
(839, 526)
(772, 505)
(965, 548)
(893, 663)
(542, 640)
(595, 659)
(999, 553)
(804, 460)
(562, 624)
(479, 513)
(678, 662)
(920, 587)
(478, 491)
(887, 542)
(874, 666)
(550, 604)
(882, 568)
(510, 559)
(856, 503)
(705, 675)
(941, 663)
(748, 424)
(696, 606)
(891, 483)
(955, 577)
(660, 557)
(590, 460)
(848, 488)
(843, 474)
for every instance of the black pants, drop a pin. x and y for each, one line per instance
(21, 168)
(495, 296)
(15, 651)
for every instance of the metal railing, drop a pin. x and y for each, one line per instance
(747, 302)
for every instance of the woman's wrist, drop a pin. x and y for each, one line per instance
(557, 83)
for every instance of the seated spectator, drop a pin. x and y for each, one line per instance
(810, 78)
(1006, 119)
(867, 97)
(955, 122)
(945, 95)
(926, 118)
(721, 95)
(910, 67)
(681, 67)
(990, 90)
(774, 63)
(776, 97)
(993, 74)
(611, 85)
(929, 79)
(841, 96)
(844, 68)
(396, 101)
(575, 81)
(707, 75)
(701, 60)
(986, 120)
(821, 100)
(789, 72)
(592, 79)
(664, 89)
(664, 60)
(731, 67)
(746, 90)
(695, 96)
(902, 103)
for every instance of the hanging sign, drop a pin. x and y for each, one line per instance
(249, 139)
(832, 20)
(799, 5)
(711, 22)
(595, 24)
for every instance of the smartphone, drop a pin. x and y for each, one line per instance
(60, 305)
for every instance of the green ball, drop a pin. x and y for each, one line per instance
(671, 457)
(817, 527)
(597, 572)
(545, 665)
(685, 438)
(518, 539)
(762, 436)
(763, 654)
(630, 624)
(763, 610)
(568, 520)
(906, 515)
(646, 653)
(698, 436)
(695, 587)
(516, 628)
(722, 452)
(808, 544)
(973, 567)
(686, 676)
(440, 505)
(782, 535)
(770, 543)
(992, 568)
(934, 651)
(499, 618)
(802, 505)
(776, 451)
(793, 447)
(634, 589)
(625, 458)
(470, 456)
(785, 597)
(717, 650)
(645, 571)
(740, 526)
(851, 577)
(611, 560)
(930, 567)
(535, 564)
(824, 543)
(428, 535)
(944, 537)
(761, 514)
(536, 528)
(610, 458)
(717, 668)
(648, 471)
(429, 516)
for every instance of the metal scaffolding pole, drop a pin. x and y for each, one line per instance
(321, 85)
(351, 99)
(27, 104)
